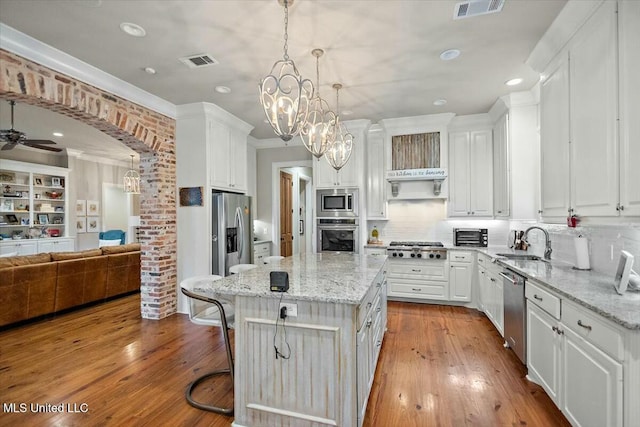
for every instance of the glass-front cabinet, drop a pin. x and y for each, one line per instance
(33, 203)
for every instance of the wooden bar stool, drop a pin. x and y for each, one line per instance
(209, 312)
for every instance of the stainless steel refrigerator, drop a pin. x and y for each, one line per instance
(232, 231)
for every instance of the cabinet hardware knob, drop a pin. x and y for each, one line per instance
(537, 297)
(588, 327)
(416, 289)
(539, 211)
(369, 323)
(415, 271)
(554, 329)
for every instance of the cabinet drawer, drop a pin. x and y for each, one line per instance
(459, 256)
(543, 299)
(365, 306)
(419, 271)
(261, 249)
(594, 329)
(431, 290)
(483, 259)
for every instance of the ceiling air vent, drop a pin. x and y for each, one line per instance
(467, 9)
(197, 61)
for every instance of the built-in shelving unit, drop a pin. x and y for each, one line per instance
(33, 201)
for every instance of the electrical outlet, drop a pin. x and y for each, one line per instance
(292, 309)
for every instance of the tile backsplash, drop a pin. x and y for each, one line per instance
(426, 220)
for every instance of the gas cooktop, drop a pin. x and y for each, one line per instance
(417, 243)
(417, 249)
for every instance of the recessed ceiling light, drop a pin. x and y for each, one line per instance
(223, 89)
(346, 112)
(134, 30)
(439, 102)
(58, 134)
(513, 82)
(449, 54)
(150, 70)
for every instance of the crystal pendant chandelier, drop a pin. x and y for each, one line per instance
(318, 133)
(132, 180)
(284, 95)
(340, 151)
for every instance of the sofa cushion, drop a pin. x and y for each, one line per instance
(131, 247)
(62, 256)
(103, 243)
(30, 259)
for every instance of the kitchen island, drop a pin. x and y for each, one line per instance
(327, 352)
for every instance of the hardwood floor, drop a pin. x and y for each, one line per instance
(439, 366)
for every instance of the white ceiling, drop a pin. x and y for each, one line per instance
(385, 53)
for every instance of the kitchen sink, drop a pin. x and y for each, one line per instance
(525, 257)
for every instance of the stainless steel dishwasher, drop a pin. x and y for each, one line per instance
(515, 314)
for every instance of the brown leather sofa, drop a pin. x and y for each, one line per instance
(35, 285)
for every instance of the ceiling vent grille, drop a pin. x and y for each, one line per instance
(471, 8)
(200, 60)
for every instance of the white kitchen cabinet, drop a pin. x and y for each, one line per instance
(261, 251)
(577, 357)
(55, 245)
(501, 189)
(19, 247)
(376, 170)
(544, 350)
(418, 280)
(228, 157)
(369, 341)
(629, 34)
(554, 142)
(325, 176)
(588, 128)
(592, 384)
(460, 275)
(375, 251)
(470, 174)
(593, 109)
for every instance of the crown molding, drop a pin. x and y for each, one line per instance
(34, 50)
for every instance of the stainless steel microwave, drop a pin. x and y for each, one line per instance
(478, 237)
(339, 202)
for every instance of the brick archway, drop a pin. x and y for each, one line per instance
(150, 134)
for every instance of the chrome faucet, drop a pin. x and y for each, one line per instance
(547, 240)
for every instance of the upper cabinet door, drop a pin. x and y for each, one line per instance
(554, 143)
(481, 179)
(376, 171)
(459, 204)
(629, 37)
(501, 190)
(219, 138)
(594, 112)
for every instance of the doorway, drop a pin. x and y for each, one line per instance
(300, 222)
(286, 214)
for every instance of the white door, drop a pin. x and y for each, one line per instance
(218, 139)
(544, 347)
(554, 143)
(628, 19)
(459, 174)
(592, 384)
(594, 105)
(460, 282)
(501, 197)
(481, 179)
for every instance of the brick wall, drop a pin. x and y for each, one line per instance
(147, 132)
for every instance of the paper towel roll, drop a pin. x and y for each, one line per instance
(582, 253)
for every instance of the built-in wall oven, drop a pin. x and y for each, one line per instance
(338, 202)
(338, 235)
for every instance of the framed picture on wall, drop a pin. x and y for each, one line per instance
(93, 224)
(93, 207)
(81, 225)
(81, 207)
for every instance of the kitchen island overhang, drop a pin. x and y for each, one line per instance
(334, 339)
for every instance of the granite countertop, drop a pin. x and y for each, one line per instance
(590, 289)
(327, 277)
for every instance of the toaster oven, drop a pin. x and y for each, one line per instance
(477, 237)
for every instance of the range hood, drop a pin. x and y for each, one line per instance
(436, 175)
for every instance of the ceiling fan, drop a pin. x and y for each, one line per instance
(14, 137)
